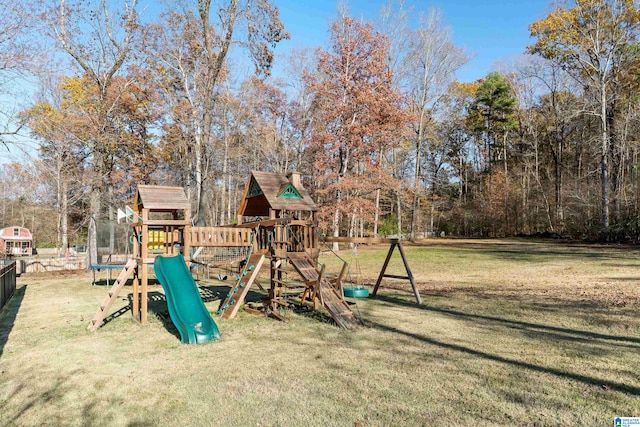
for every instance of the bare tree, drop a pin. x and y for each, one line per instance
(191, 53)
(430, 63)
(62, 155)
(98, 41)
(591, 40)
(16, 56)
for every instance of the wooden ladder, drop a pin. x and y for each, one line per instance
(235, 297)
(124, 275)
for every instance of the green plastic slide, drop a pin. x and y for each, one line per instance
(186, 308)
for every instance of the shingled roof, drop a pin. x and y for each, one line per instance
(158, 198)
(275, 191)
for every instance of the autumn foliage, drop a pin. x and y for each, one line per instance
(387, 140)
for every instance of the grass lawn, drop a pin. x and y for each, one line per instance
(510, 332)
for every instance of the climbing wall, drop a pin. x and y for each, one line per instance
(238, 292)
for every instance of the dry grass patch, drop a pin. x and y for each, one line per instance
(510, 332)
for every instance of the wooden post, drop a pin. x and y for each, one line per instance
(409, 274)
(186, 238)
(316, 288)
(145, 272)
(135, 308)
(338, 281)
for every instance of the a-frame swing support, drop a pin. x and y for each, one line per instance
(394, 243)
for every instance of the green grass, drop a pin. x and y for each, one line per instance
(509, 333)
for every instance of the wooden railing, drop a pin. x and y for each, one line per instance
(221, 236)
(7, 282)
(280, 235)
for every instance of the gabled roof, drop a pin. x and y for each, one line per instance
(159, 198)
(9, 234)
(266, 190)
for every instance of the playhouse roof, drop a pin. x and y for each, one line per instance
(159, 198)
(275, 191)
(15, 233)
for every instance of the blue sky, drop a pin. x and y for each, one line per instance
(490, 30)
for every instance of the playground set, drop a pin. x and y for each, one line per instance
(276, 227)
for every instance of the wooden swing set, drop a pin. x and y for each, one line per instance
(276, 226)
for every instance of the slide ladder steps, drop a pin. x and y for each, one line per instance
(329, 296)
(236, 295)
(112, 294)
(337, 307)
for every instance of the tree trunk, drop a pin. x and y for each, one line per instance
(59, 202)
(92, 241)
(399, 202)
(376, 214)
(225, 177)
(416, 185)
(604, 160)
(336, 222)
(64, 216)
(199, 178)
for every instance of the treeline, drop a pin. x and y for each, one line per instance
(387, 139)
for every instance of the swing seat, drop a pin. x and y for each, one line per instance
(356, 292)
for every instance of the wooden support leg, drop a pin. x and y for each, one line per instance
(144, 296)
(409, 274)
(304, 296)
(384, 267)
(135, 309)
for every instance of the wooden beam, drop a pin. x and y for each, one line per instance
(395, 276)
(364, 240)
(144, 297)
(409, 273)
(164, 222)
(272, 222)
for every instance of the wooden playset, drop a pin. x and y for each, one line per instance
(276, 227)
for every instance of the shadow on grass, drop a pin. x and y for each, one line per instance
(211, 293)
(45, 396)
(116, 314)
(8, 315)
(569, 334)
(306, 310)
(52, 394)
(623, 388)
(129, 282)
(158, 306)
(535, 250)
